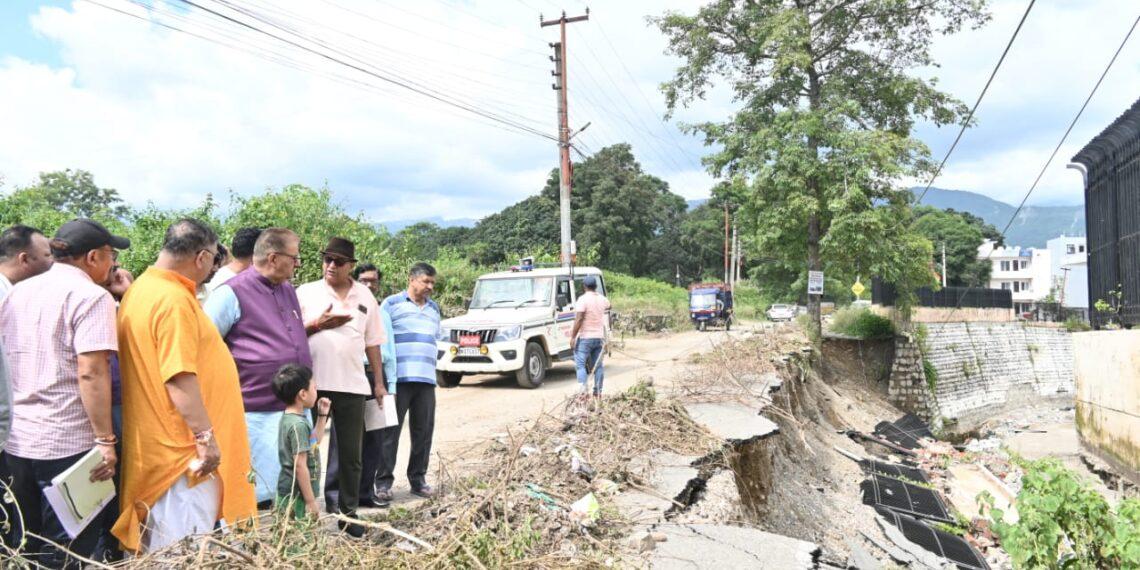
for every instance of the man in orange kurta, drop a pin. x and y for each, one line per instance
(186, 458)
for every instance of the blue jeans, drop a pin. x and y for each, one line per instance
(262, 430)
(588, 355)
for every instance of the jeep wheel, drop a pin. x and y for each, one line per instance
(533, 371)
(727, 324)
(448, 379)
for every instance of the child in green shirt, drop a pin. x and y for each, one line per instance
(297, 443)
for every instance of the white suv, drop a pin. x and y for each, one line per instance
(518, 322)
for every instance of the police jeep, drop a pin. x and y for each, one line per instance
(518, 322)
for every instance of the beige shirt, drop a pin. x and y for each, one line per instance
(338, 354)
(593, 307)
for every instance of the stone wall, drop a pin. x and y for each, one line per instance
(1108, 397)
(986, 367)
(907, 387)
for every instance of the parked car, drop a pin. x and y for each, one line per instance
(518, 322)
(781, 312)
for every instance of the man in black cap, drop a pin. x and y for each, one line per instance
(58, 329)
(342, 319)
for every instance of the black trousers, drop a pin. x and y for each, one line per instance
(342, 478)
(29, 478)
(373, 462)
(416, 400)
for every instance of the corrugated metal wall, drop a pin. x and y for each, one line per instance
(1112, 215)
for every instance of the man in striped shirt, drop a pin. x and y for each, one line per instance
(415, 324)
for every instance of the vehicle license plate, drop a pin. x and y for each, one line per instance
(470, 340)
(468, 351)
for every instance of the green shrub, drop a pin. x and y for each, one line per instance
(930, 372)
(1074, 324)
(1064, 523)
(860, 322)
(628, 293)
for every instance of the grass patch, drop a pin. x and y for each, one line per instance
(860, 322)
(1074, 324)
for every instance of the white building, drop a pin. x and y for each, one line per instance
(1023, 270)
(1070, 271)
(1061, 268)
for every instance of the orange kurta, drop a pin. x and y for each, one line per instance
(163, 332)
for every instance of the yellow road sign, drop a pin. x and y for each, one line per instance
(858, 289)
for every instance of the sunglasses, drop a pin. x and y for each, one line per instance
(219, 256)
(338, 262)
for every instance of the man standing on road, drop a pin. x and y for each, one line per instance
(241, 249)
(258, 315)
(186, 454)
(58, 330)
(342, 319)
(415, 324)
(24, 253)
(589, 334)
(373, 450)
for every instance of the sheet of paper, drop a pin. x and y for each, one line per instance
(376, 417)
(77, 500)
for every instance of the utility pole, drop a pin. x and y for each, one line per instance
(561, 87)
(726, 243)
(943, 264)
(735, 255)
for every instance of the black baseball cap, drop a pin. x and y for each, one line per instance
(82, 235)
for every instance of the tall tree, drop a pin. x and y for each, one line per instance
(75, 191)
(823, 131)
(961, 237)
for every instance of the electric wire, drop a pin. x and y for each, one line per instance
(1056, 149)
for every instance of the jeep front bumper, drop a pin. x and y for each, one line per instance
(499, 357)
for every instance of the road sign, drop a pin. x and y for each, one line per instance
(815, 282)
(858, 289)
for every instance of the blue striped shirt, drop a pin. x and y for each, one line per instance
(416, 330)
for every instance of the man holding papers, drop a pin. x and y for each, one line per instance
(342, 319)
(58, 331)
(186, 458)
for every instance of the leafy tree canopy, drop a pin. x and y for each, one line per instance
(821, 138)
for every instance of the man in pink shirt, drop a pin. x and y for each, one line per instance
(343, 322)
(58, 329)
(588, 336)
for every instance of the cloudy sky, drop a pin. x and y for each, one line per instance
(165, 116)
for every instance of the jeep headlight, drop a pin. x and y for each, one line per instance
(508, 333)
(445, 334)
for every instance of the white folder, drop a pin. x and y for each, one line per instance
(77, 500)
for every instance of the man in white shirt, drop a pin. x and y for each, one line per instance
(24, 253)
(241, 249)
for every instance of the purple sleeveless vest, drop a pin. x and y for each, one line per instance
(268, 334)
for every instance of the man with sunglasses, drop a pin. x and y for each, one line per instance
(58, 329)
(258, 315)
(342, 319)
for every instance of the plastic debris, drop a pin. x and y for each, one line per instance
(536, 492)
(585, 511)
(579, 466)
(605, 486)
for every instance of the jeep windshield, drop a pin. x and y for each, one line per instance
(512, 292)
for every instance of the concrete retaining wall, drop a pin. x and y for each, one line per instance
(1107, 367)
(985, 367)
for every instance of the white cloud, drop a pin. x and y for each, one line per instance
(166, 117)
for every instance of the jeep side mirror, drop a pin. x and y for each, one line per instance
(467, 304)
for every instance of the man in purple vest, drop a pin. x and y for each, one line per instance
(260, 319)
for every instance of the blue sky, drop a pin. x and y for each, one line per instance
(167, 118)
